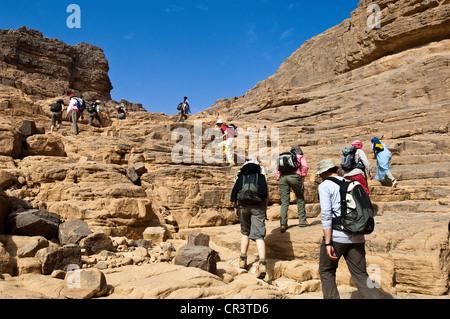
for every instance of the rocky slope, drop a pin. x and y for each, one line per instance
(351, 82)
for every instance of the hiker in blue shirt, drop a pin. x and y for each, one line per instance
(383, 156)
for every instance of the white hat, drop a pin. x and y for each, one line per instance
(219, 122)
(251, 159)
(325, 165)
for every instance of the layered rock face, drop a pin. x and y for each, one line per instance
(351, 82)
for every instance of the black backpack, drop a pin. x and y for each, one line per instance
(92, 108)
(287, 163)
(348, 159)
(249, 193)
(357, 214)
(56, 107)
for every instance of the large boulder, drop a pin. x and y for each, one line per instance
(201, 257)
(59, 258)
(71, 232)
(34, 223)
(85, 284)
(96, 243)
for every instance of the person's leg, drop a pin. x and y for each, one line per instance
(355, 257)
(245, 218)
(327, 270)
(297, 186)
(285, 190)
(75, 129)
(391, 178)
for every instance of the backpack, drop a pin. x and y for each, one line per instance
(232, 131)
(357, 214)
(378, 147)
(56, 107)
(348, 159)
(180, 107)
(287, 163)
(249, 193)
(81, 104)
(92, 108)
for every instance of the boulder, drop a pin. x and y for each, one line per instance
(28, 128)
(201, 257)
(6, 179)
(4, 208)
(34, 245)
(6, 264)
(71, 232)
(34, 223)
(156, 235)
(46, 145)
(85, 284)
(198, 239)
(59, 258)
(96, 243)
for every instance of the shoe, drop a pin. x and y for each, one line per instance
(283, 228)
(304, 224)
(395, 184)
(261, 270)
(243, 262)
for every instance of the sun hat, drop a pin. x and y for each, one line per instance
(251, 159)
(325, 165)
(219, 122)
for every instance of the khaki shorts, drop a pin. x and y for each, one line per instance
(253, 220)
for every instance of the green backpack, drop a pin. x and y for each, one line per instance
(249, 193)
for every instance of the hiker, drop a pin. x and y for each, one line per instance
(75, 109)
(229, 133)
(292, 178)
(57, 117)
(250, 196)
(94, 112)
(121, 112)
(383, 156)
(359, 164)
(183, 110)
(337, 243)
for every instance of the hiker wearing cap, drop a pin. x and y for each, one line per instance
(121, 111)
(57, 117)
(183, 110)
(94, 112)
(383, 156)
(228, 134)
(293, 179)
(75, 111)
(337, 243)
(249, 196)
(359, 165)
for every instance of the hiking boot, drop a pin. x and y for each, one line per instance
(283, 228)
(243, 262)
(261, 270)
(304, 224)
(395, 184)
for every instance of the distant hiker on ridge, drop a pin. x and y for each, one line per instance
(183, 110)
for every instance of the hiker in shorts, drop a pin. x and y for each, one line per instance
(183, 110)
(57, 117)
(362, 164)
(249, 195)
(75, 113)
(228, 134)
(337, 243)
(293, 180)
(383, 156)
(94, 112)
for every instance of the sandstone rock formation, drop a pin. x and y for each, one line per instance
(351, 82)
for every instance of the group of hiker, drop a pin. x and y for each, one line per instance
(75, 111)
(343, 234)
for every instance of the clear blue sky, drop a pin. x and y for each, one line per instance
(160, 51)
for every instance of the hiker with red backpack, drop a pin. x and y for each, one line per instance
(292, 168)
(355, 164)
(229, 133)
(75, 108)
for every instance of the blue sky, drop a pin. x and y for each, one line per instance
(160, 51)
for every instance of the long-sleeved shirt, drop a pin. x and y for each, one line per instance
(360, 156)
(302, 170)
(330, 202)
(73, 105)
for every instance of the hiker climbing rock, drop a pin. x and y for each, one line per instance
(355, 164)
(94, 112)
(183, 110)
(292, 168)
(249, 195)
(75, 108)
(383, 156)
(229, 133)
(337, 243)
(121, 112)
(57, 117)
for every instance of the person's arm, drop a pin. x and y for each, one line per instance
(363, 158)
(304, 166)
(327, 219)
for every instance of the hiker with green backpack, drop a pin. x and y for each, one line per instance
(292, 168)
(250, 195)
(347, 215)
(56, 110)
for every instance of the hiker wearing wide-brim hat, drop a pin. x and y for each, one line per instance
(337, 243)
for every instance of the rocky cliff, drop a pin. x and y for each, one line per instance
(351, 82)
